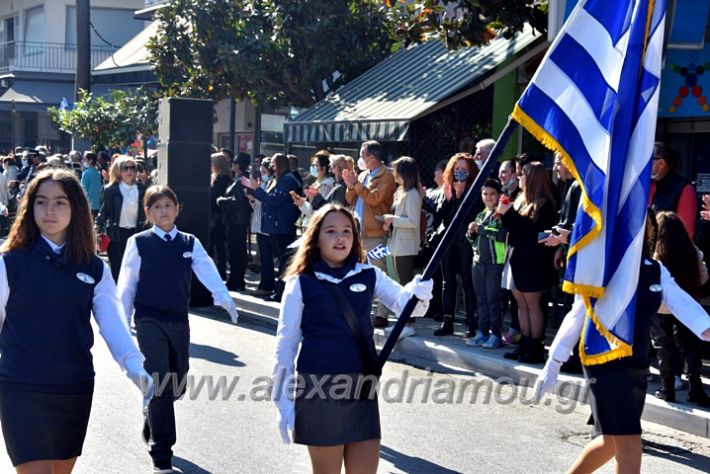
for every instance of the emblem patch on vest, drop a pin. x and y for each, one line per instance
(187, 255)
(357, 288)
(85, 278)
(655, 288)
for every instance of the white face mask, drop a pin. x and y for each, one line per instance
(361, 163)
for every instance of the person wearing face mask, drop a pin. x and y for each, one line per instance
(670, 191)
(317, 192)
(459, 174)
(91, 182)
(508, 179)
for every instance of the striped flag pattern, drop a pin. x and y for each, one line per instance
(594, 99)
(380, 251)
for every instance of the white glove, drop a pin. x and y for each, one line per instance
(547, 379)
(423, 290)
(231, 309)
(225, 301)
(286, 423)
(140, 378)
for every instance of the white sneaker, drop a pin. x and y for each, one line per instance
(493, 342)
(478, 340)
(406, 332)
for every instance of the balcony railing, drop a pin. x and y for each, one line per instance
(45, 57)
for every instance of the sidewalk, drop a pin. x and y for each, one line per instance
(452, 352)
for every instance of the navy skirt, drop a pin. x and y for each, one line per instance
(39, 425)
(618, 395)
(335, 410)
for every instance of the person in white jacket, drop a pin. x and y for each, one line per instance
(618, 387)
(326, 312)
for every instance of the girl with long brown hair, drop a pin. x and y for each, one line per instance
(46, 369)
(674, 342)
(326, 311)
(531, 263)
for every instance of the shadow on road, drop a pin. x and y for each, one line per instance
(214, 354)
(412, 464)
(188, 467)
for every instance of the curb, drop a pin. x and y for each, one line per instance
(487, 362)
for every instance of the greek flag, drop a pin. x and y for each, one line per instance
(594, 99)
(64, 105)
(381, 251)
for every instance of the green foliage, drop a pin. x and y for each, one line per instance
(461, 23)
(277, 52)
(112, 121)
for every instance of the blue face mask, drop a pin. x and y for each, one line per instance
(314, 171)
(264, 177)
(460, 175)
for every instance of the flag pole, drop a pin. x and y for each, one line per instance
(469, 201)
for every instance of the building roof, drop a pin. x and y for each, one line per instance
(29, 94)
(132, 57)
(382, 102)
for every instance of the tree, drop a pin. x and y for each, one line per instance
(277, 52)
(109, 122)
(460, 23)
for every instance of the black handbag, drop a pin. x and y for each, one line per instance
(369, 362)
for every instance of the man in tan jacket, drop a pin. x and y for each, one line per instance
(371, 194)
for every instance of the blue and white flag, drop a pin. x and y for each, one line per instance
(594, 99)
(381, 251)
(64, 105)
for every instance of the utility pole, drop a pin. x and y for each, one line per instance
(83, 44)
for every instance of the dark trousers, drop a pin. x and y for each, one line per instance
(266, 256)
(237, 246)
(674, 343)
(458, 261)
(404, 266)
(165, 346)
(486, 284)
(436, 307)
(508, 298)
(116, 249)
(279, 245)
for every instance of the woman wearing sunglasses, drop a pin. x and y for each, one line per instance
(121, 214)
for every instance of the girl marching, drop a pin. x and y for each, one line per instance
(51, 281)
(618, 387)
(155, 285)
(336, 346)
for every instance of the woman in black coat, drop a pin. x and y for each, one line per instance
(220, 180)
(531, 263)
(121, 214)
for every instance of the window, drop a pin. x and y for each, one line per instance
(116, 26)
(34, 25)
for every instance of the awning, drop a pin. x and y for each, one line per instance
(381, 103)
(132, 57)
(36, 95)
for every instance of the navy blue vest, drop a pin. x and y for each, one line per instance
(328, 345)
(165, 276)
(47, 337)
(647, 303)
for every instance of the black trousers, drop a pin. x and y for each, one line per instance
(237, 247)
(458, 261)
(116, 249)
(166, 347)
(675, 344)
(279, 245)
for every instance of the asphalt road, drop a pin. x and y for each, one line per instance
(439, 430)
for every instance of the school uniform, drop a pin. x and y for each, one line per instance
(154, 287)
(46, 368)
(328, 351)
(618, 387)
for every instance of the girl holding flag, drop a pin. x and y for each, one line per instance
(337, 351)
(618, 387)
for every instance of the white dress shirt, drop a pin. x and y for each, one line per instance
(106, 309)
(682, 305)
(129, 210)
(202, 265)
(289, 336)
